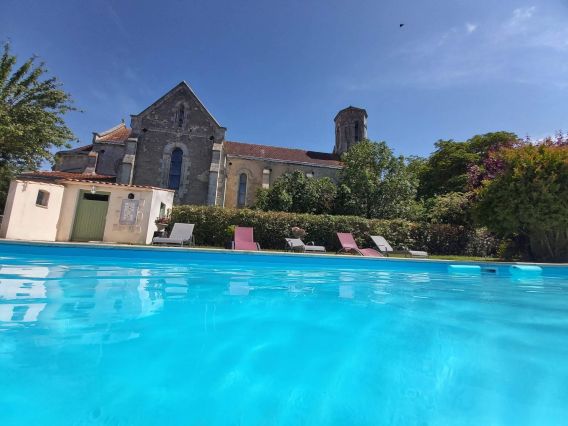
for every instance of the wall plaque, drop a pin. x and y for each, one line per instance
(129, 212)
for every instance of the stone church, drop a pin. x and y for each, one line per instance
(176, 143)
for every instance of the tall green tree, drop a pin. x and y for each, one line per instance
(31, 116)
(447, 169)
(376, 184)
(295, 192)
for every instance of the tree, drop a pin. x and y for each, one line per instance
(448, 168)
(452, 208)
(529, 199)
(376, 184)
(295, 192)
(31, 117)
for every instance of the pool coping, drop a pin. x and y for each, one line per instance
(115, 246)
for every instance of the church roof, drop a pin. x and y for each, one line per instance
(118, 133)
(351, 108)
(287, 155)
(85, 149)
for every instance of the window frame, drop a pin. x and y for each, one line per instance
(174, 161)
(42, 201)
(240, 193)
(180, 116)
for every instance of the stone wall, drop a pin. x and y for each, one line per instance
(177, 120)
(109, 157)
(69, 162)
(262, 174)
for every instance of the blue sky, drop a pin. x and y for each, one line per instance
(277, 72)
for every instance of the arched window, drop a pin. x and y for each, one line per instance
(181, 116)
(175, 169)
(242, 196)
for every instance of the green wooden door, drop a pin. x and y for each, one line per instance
(90, 217)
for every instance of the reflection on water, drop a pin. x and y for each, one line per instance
(85, 299)
(218, 343)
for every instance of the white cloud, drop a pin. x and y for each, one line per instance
(527, 46)
(522, 14)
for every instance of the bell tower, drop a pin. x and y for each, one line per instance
(350, 128)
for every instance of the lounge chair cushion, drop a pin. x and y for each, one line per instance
(165, 240)
(245, 245)
(384, 246)
(244, 239)
(309, 247)
(348, 244)
(297, 243)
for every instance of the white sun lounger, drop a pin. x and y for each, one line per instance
(385, 248)
(182, 233)
(296, 244)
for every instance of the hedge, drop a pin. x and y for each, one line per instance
(270, 228)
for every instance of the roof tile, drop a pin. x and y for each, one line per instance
(118, 133)
(56, 175)
(282, 154)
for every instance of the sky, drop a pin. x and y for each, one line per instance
(277, 72)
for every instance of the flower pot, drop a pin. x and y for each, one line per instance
(161, 226)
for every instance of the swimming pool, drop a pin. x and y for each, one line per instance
(133, 336)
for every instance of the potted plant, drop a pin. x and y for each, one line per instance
(229, 233)
(162, 223)
(298, 232)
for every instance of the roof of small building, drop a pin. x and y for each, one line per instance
(90, 178)
(118, 133)
(56, 175)
(124, 185)
(277, 153)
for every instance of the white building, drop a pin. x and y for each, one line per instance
(58, 206)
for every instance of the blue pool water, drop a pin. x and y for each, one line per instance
(136, 337)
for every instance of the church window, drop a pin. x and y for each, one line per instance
(242, 196)
(175, 169)
(181, 116)
(356, 131)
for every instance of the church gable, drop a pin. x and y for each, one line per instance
(179, 110)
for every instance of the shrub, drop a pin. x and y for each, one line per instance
(453, 208)
(270, 229)
(527, 199)
(295, 192)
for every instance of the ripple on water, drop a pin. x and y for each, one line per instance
(218, 343)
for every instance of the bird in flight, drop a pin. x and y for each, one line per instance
(401, 25)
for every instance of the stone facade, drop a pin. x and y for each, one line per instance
(350, 128)
(176, 143)
(261, 173)
(177, 120)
